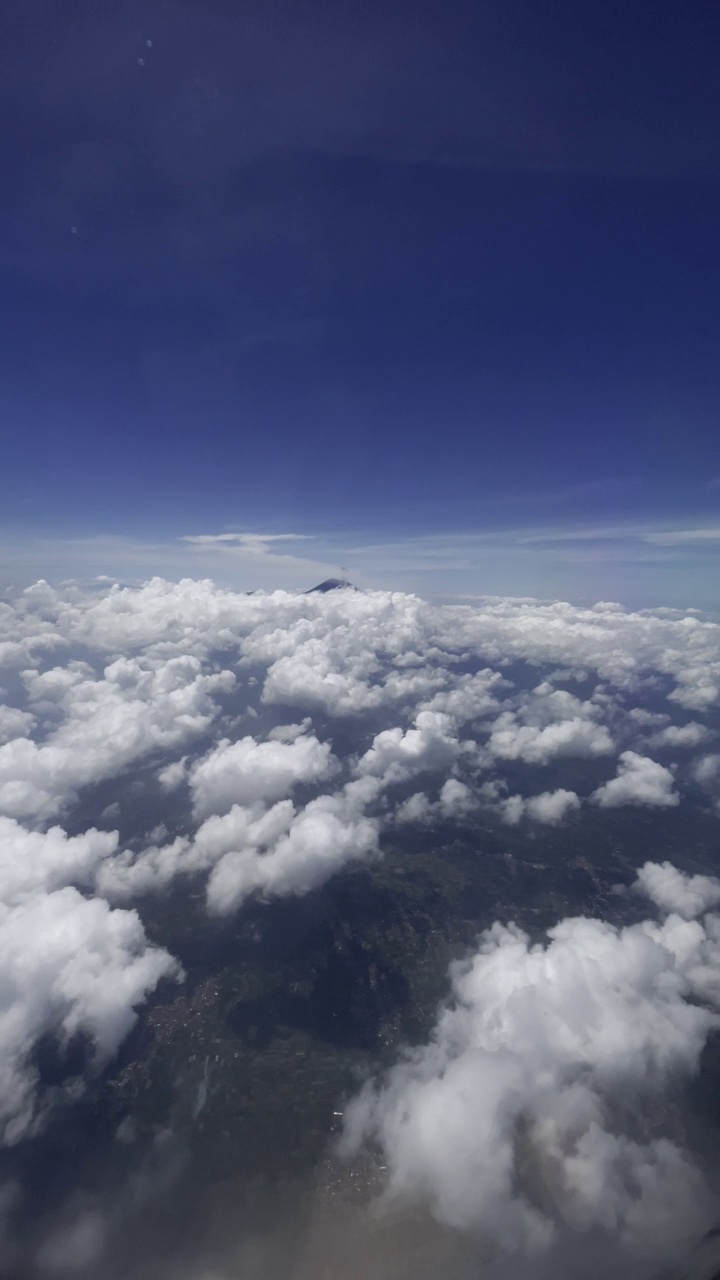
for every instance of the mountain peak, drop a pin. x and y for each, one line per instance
(331, 584)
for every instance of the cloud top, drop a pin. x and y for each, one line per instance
(280, 738)
(536, 1113)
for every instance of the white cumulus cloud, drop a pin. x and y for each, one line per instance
(640, 781)
(672, 890)
(687, 735)
(250, 772)
(396, 755)
(70, 963)
(108, 722)
(327, 834)
(578, 737)
(513, 1120)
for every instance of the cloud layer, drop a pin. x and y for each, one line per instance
(273, 739)
(538, 1111)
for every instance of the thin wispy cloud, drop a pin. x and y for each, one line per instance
(676, 537)
(250, 541)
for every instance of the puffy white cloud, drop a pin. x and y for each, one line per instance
(131, 874)
(671, 890)
(32, 863)
(248, 772)
(639, 780)
(69, 963)
(14, 723)
(253, 832)
(289, 732)
(173, 774)
(511, 809)
(547, 705)
(336, 656)
(327, 834)
(456, 801)
(135, 707)
(551, 806)
(648, 719)
(272, 852)
(417, 808)
(577, 737)
(396, 755)
(620, 646)
(688, 735)
(549, 723)
(470, 697)
(514, 1119)
(706, 770)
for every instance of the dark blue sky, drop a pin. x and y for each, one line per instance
(367, 272)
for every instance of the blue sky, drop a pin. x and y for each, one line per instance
(436, 292)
